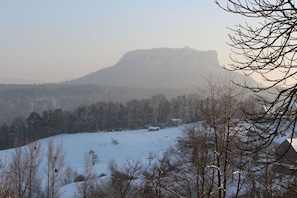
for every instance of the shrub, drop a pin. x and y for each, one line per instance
(79, 178)
(114, 141)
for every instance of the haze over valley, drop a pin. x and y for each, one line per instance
(138, 74)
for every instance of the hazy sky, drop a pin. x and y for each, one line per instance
(52, 41)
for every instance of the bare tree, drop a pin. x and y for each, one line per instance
(194, 156)
(24, 170)
(123, 180)
(268, 49)
(209, 159)
(6, 188)
(33, 155)
(87, 188)
(55, 169)
(223, 109)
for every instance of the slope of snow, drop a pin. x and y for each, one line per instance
(132, 145)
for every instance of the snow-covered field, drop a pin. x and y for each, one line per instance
(137, 144)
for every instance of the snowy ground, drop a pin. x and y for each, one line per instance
(136, 144)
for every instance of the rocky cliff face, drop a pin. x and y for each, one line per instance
(158, 68)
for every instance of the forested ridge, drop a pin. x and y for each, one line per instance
(101, 116)
(21, 100)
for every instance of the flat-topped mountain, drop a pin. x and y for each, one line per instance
(158, 68)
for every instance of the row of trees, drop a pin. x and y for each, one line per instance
(21, 100)
(103, 116)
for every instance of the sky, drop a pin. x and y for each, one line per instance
(54, 41)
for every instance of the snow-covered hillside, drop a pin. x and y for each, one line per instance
(132, 145)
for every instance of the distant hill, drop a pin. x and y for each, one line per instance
(138, 74)
(21, 100)
(159, 68)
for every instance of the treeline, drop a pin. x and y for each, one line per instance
(21, 100)
(101, 116)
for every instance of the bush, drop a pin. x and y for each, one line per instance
(114, 141)
(69, 176)
(79, 178)
(102, 175)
